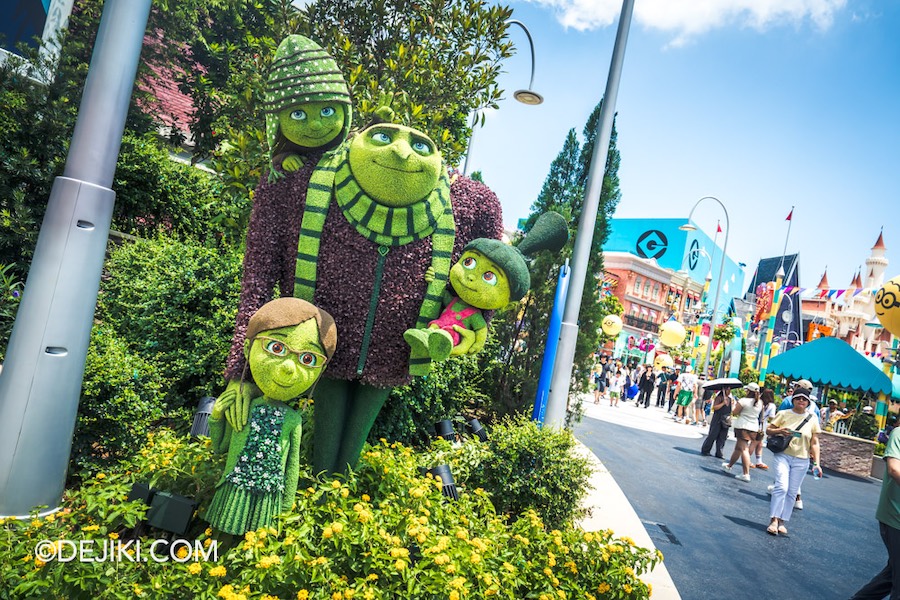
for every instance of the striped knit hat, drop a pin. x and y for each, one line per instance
(302, 72)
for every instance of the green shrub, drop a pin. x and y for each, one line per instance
(157, 194)
(451, 390)
(384, 532)
(10, 296)
(174, 304)
(121, 397)
(879, 449)
(533, 468)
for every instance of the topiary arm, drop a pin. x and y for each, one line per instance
(219, 432)
(292, 469)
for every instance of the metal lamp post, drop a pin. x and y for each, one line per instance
(691, 227)
(565, 363)
(527, 96)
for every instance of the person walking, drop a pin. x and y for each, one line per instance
(686, 383)
(765, 416)
(673, 384)
(719, 423)
(887, 582)
(746, 427)
(645, 385)
(803, 386)
(616, 383)
(702, 398)
(662, 387)
(596, 378)
(791, 464)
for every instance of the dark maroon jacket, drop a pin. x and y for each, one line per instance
(345, 272)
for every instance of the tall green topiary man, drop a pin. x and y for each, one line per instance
(381, 225)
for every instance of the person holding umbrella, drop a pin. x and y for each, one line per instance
(721, 416)
(746, 427)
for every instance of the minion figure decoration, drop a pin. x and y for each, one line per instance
(289, 341)
(489, 275)
(369, 237)
(887, 305)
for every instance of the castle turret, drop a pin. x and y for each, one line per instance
(877, 264)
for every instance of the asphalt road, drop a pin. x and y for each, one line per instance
(711, 527)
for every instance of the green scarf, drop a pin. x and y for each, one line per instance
(386, 226)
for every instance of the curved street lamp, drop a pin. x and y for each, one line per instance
(715, 307)
(527, 96)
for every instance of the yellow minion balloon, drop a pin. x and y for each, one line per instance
(887, 305)
(611, 325)
(671, 333)
(663, 360)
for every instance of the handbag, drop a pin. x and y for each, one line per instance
(779, 443)
(726, 421)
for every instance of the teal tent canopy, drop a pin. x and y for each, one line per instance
(832, 362)
(895, 377)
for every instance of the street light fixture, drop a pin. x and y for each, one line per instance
(527, 96)
(691, 227)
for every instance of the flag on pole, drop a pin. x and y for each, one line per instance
(790, 214)
(718, 227)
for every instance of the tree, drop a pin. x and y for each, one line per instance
(522, 333)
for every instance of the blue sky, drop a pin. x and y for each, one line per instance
(763, 104)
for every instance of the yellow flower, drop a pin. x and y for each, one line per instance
(208, 531)
(250, 536)
(337, 527)
(509, 567)
(626, 588)
(335, 484)
(38, 563)
(114, 536)
(454, 595)
(101, 476)
(336, 596)
(90, 528)
(451, 569)
(36, 523)
(267, 561)
(345, 492)
(327, 532)
(217, 571)
(369, 594)
(588, 536)
(457, 583)
(303, 595)
(365, 498)
(441, 559)
(194, 568)
(475, 558)
(137, 590)
(603, 588)
(349, 593)
(50, 518)
(364, 516)
(399, 565)
(548, 572)
(268, 597)
(182, 552)
(462, 534)
(544, 597)
(226, 591)
(207, 542)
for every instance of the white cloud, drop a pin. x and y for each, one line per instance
(688, 18)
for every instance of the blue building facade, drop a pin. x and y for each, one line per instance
(673, 248)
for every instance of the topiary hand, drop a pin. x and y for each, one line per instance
(429, 274)
(467, 340)
(234, 403)
(292, 163)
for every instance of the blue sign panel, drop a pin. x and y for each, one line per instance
(672, 248)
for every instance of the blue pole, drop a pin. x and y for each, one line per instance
(556, 316)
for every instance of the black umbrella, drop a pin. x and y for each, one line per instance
(723, 383)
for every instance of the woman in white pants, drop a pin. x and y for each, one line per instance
(791, 465)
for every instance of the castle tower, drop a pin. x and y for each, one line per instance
(823, 283)
(877, 264)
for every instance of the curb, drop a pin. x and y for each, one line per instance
(610, 509)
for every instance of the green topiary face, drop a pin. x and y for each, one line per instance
(285, 362)
(312, 124)
(479, 281)
(395, 165)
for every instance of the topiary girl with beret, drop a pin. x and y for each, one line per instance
(489, 275)
(288, 343)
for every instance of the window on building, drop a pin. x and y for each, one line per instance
(655, 291)
(638, 281)
(647, 289)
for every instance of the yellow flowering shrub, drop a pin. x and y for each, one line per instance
(361, 536)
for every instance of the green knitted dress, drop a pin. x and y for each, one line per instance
(262, 468)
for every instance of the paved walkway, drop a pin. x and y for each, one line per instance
(610, 509)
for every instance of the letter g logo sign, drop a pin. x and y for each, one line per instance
(651, 244)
